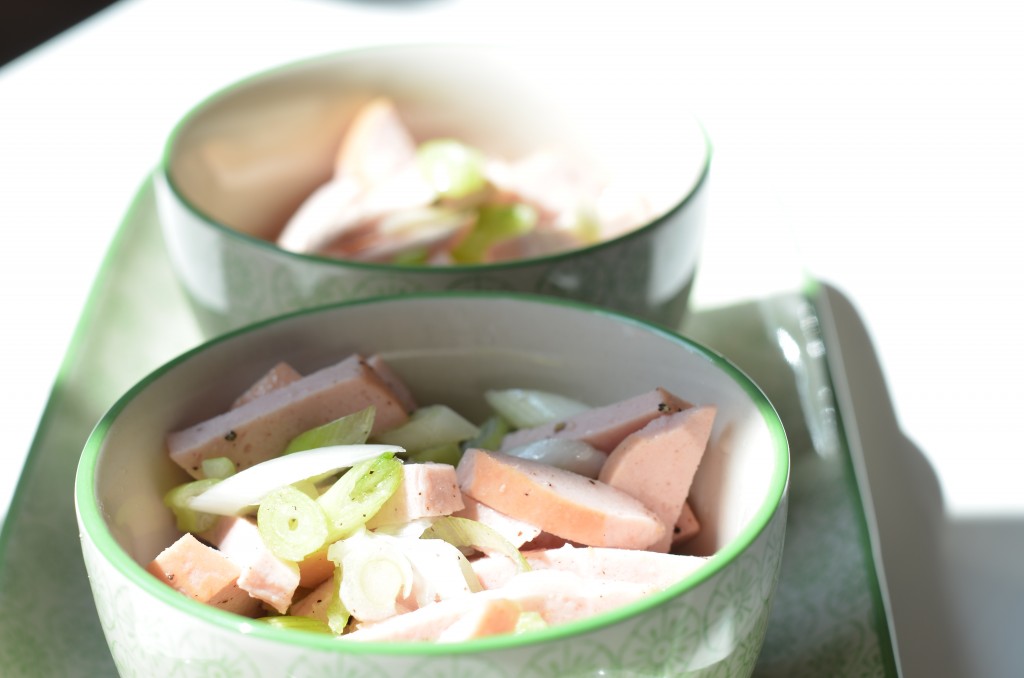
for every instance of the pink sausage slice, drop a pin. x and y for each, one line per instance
(263, 575)
(279, 375)
(394, 382)
(564, 503)
(427, 490)
(603, 427)
(261, 428)
(314, 604)
(657, 463)
(490, 618)
(203, 573)
(659, 570)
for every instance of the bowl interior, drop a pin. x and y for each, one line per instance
(449, 349)
(247, 157)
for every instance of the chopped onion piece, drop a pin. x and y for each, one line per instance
(452, 168)
(359, 493)
(525, 408)
(217, 467)
(565, 453)
(449, 453)
(352, 429)
(291, 524)
(233, 496)
(337, 614)
(376, 574)
(466, 533)
(530, 620)
(296, 623)
(428, 427)
(492, 432)
(187, 518)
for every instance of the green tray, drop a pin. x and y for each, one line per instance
(828, 618)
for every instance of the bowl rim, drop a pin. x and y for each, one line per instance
(163, 171)
(93, 526)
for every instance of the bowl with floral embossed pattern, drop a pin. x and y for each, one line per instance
(428, 168)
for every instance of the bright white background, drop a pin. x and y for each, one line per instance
(885, 138)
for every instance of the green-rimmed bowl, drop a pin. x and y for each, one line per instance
(449, 347)
(239, 164)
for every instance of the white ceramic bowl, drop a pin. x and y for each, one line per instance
(241, 162)
(449, 348)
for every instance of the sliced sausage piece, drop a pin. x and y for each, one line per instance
(687, 526)
(394, 382)
(260, 429)
(314, 568)
(490, 618)
(279, 375)
(657, 463)
(558, 597)
(564, 503)
(203, 573)
(263, 575)
(603, 427)
(427, 490)
(314, 604)
(376, 145)
(517, 532)
(659, 570)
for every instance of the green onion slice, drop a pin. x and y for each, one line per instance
(235, 495)
(359, 493)
(296, 623)
(452, 168)
(464, 533)
(526, 408)
(291, 524)
(429, 427)
(352, 429)
(492, 432)
(495, 224)
(187, 518)
(217, 467)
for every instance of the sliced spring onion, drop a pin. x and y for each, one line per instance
(352, 429)
(494, 224)
(187, 518)
(359, 493)
(565, 453)
(450, 453)
(217, 467)
(376, 575)
(337, 614)
(236, 494)
(465, 533)
(526, 408)
(291, 524)
(429, 427)
(452, 168)
(295, 623)
(530, 621)
(492, 432)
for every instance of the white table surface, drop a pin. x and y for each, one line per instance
(886, 139)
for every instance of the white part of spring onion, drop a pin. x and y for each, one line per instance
(376, 575)
(565, 453)
(526, 408)
(235, 494)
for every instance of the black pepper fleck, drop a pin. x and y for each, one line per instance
(663, 407)
(231, 435)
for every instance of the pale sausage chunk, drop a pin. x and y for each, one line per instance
(603, 427)
(394, 382)
(263, 575)
(564, 503)
(687, 525)
(277, 376)
(203, 573)
(517, 532)
(427, 490)
(491, 618)
(262, 428)
(657, 463)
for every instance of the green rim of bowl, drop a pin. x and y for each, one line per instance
(172, 139)
(95, 526)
